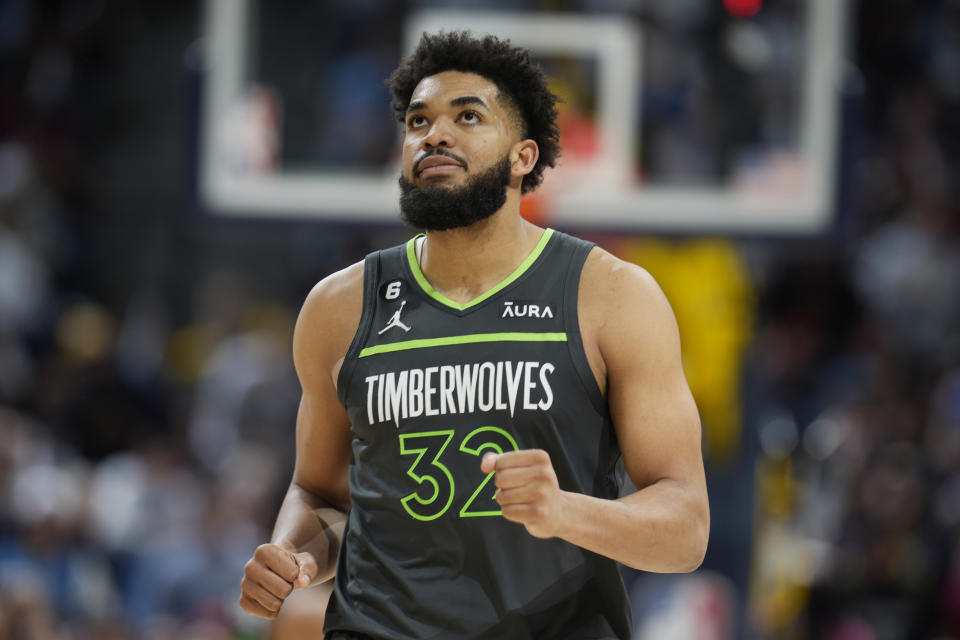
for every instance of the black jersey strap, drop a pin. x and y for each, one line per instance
(371, 279)
(571, 292)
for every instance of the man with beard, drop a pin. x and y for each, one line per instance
(471, 398)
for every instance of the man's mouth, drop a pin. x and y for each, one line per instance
(437, 164)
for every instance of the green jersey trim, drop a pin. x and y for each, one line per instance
(425, 343)
(439, 297)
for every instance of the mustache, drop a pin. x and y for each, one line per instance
(437, 152)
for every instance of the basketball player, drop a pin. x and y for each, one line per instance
(469, 397)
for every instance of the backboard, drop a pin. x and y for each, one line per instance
(678, 116)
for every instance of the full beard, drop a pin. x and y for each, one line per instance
(441, 208)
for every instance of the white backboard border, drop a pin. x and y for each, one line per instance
(608, 199)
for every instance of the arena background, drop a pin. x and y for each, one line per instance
(147, 395)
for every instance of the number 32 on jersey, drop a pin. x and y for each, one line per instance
(434, 477)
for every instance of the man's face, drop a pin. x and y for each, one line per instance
(455, 128)
(456, 152)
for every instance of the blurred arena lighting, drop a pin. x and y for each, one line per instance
(743, 8)
(778, 435)
(43, 493)
(825, 435)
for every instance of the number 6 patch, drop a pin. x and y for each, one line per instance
(393, 289)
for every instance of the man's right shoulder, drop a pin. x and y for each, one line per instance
(339, 288)
(329, 319)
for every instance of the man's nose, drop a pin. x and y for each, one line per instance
(439, 135)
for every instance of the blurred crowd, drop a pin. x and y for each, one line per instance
(147, 395)
(146, 431)
(853, 384)
(142, 460)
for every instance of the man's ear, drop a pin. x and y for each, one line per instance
(523, 157)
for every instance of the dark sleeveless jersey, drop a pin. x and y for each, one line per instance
(430, 386)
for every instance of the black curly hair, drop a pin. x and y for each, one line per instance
(522, 85)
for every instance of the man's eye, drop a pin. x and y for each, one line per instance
(415, 121)
(470, 116)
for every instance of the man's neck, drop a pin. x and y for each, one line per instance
(464, 263)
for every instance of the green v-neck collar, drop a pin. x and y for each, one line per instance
(439, 297)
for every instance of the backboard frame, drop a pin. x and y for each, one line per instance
(608, 199)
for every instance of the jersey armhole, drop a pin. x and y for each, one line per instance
(371, 276)
(572, 325)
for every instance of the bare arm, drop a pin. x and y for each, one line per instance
(306, 538)
(634, 349)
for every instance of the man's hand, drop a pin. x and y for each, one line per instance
(271, 575)
(527, 490)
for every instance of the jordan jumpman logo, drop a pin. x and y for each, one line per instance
(395, 320)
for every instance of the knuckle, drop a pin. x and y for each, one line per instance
(309, 562)
(249, 606)
(253, 571)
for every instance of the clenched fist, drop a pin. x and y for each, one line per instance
(271, 575)
(527, 490)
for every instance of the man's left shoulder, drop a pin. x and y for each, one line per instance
(624, 316)
(610, 284)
